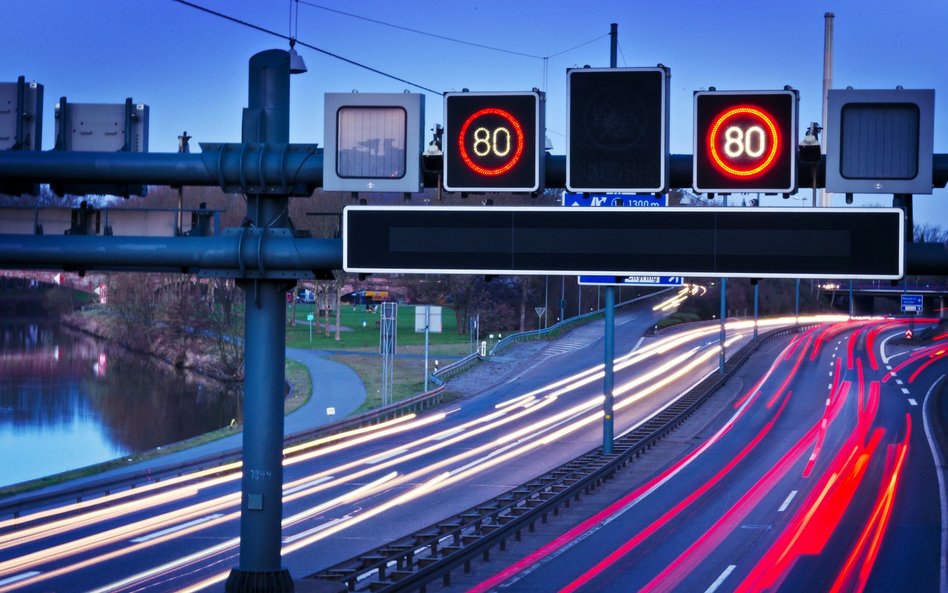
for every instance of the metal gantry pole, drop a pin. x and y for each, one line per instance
(721, 356)
(609, 341)
(756, 287)
(266, 120)
(608, 378)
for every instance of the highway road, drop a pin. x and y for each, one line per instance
(352, 492)
(821, 476)
(349, 493)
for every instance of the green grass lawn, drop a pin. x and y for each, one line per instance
(356, 336)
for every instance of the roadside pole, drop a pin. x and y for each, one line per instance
(266, 120)
(608, 378)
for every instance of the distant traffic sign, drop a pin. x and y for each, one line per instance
(745, 141)
(739, 242)
(600, 199)
(617, 129)
(632, 280)
(912, 303)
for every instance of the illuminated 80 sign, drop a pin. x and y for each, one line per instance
(492, 141)
(745, 141)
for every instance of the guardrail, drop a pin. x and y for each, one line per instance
(562, 325)
(413, 561)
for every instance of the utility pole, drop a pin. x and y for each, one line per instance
(609, 340)
(266, 120)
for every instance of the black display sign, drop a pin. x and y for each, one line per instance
(745, 141)
(716, 242)
(617, 130)
(493, 141)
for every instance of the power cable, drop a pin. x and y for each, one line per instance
(445, 37)
(307, 45)
(419, 32)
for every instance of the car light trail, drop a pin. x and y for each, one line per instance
(454, 469)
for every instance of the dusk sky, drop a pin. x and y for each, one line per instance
(190, 67)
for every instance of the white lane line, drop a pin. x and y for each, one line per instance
(309, 484)
(292, 538)
(176, 528)
(786, 503)
(19, 577)
(829, 385)
(888, 367)
(898, 381)
(451, 433)
(383, 456)
(831, 373)
(714, 586)
(912, 402)
(940, 472)
(905, 391)
(886, 359)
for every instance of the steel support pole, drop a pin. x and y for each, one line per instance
(721, 356)
(266, 120)
(796, 305)
(608, 379)
(756, 287)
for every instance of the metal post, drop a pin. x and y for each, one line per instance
(723, 316)
(608, 378)
(851, 308)
(797, 304)
(756, 286)
(427, 326)
(266, 120)
(826, 198)
(546, 300)
(562, 298)
(579, 294)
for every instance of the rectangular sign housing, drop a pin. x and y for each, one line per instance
(710, 242)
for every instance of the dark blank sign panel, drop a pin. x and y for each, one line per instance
(715, 242)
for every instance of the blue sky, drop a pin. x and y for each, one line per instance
(191, 67)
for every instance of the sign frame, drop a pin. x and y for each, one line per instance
(838, 99)
(791, 142)
(663, 148)
(537, 146)
(857, 243)
(413, 105)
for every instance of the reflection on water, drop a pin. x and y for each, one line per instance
(68, 400)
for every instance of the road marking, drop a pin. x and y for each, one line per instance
(19, 577)
(940, 472)
(383, 456)
(292, 538)
(310, 484)
(451, 433)
(714, 586)
(786, 503)
(176, 528)
(829, 385)
(898, 381)
(831, 373)
(905, 391)
(888, 367)
(912, 402)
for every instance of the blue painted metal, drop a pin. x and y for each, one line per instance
(608, 379)
(266, 120)
(721, 356)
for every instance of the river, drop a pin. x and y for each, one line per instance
(68, 401)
